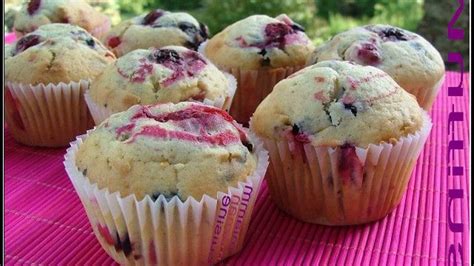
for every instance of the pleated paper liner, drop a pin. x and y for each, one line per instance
(427, 96)
(169, 232)
(326, 186)
(252, 86)
(100, 113)
(47, 115)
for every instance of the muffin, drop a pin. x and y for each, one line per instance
(343, 140)
(406, 56)
(169, 74)
(35, 13)
(47, 72)
(259, 51)
(157, 29)
(168, 183)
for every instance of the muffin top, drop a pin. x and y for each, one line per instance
(169, 74)
(35, 13)
(185, 149)
(157, 29)
(55, 53)
(260, 41)
(334, 103)
(406, 56)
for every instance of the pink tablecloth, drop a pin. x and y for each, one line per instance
(46, 224)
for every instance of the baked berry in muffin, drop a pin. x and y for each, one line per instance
(35, 13)
(157, 29)
(185, 150)
(169, 74)
(55, 53)
(343, 140)
(406, 56)
(259, 51)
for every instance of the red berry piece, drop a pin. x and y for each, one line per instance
(152, 16)
(275, 34)
(33, 6)
(369, 54)
(114, 42)
(26, 42)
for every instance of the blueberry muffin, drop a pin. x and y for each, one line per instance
(35, 13)
(406, 56)
(179, 172)
(157, 29)
(169, 74)
(185, 149)
(259, 51)
(47, 72)
(330, 129)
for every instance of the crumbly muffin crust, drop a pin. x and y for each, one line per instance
(334, 103)
(156, 29)
(185, 149)
(169, 74)
(55, 53)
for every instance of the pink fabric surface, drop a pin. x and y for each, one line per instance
(10, 37)
(45, 222)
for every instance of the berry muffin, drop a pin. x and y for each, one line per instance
(406, 56)
(185, 176)
(169, 74)
(47, 72)
(343, 140)
(157, 29)
(259, 51)
(35, 13)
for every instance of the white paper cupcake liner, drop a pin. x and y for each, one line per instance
(427, 96)
(169, 232)
(252, 86)
(47, 115)
(306, 181)
(100, 113)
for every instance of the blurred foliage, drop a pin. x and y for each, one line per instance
(322, 19)
(434, 25)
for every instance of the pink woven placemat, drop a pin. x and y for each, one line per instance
(46, 224)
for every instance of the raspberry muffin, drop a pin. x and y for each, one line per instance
(157, 29)
(170, 74)
(176, 171)
(259, 51)
(35, 13)
(343, 140)
(406, 56)
(47, 72)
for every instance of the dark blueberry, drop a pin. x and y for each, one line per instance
(123, 244)
(295, 129)
(188, 28)
(152, 16)
(297, 27)
(248, 145)
(33, 5)
(203, 30)
(393, 34)
(26, 42)
(262, 52)
(166, 55)
(276, 33)
(191, 45)
(84, 172)
(326, 110)
(351, 107)
(90, 42)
